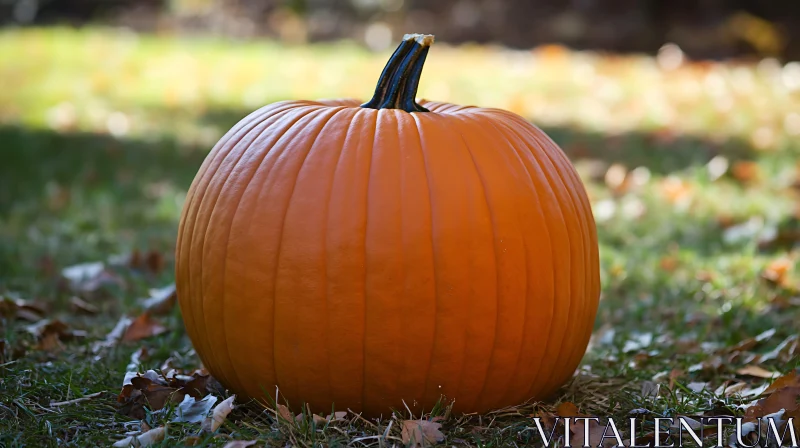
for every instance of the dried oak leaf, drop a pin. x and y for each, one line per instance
(791, 379)
(195, 385)
(421, 433)
(787, 399)
(568, 409)
(143, 327)
(148, 438)
(285, 413)
(50, 333)
(756, 371)
(148, 390)
(219, 414)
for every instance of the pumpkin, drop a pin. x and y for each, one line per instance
(367, 256)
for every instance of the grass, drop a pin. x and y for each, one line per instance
(691, 173)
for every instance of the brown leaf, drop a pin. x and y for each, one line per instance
(777, 271)
(786, 398)
(284, 412)
(568, 409)
(50, 333)
(219, 415)
(421, 433)
(750, 343)
(156, 395)
(20, 310)
(152, 261)
(756, 371)
(674, 374)
(143, 327)
(197, 385)
(148, 390)
(791, 379)
(746, 171)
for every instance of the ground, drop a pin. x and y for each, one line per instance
(691, 167)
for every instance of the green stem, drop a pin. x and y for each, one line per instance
(397, 86)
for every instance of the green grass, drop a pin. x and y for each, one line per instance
(102, 133)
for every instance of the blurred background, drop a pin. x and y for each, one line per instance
(682, 117)
(704, 29)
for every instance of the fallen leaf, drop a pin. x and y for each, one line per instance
(674, 374)
(791, 379)
(785, 399)
(339, 415)
(50, 333)
(777, 271)
(143, 327)
(596, 431)
(421, 433)
(195, 385)
(148, 390)
(156, 394)
(240, 444)
(114, 335)
(568, 409)
(730, 389)
(750, 343)
(88, 279)
(136, 359)
(649, 389)
(756, 371)
(284, 412)
(161, 300)
(83, 272)
(318, 420)
(194, 411)
(152, 261)
(12, 309)
(218, 416)
(697, 386)
(150, 437)
(80, 306)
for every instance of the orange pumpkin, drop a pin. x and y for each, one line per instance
(363, 256)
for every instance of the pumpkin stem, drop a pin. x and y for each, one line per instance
(397, 86)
